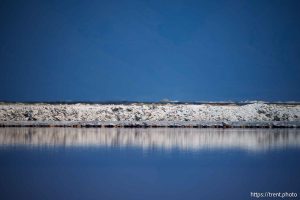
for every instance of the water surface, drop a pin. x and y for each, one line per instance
(75, 163)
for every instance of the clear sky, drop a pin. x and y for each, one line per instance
(142, 50)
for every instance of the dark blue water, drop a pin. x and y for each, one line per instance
(147, 163)
(164, 101)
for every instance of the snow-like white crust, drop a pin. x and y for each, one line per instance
(153, 114)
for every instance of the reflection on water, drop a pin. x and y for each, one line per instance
(215, 164)
(163, 138)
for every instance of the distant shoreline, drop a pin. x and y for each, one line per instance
(150, 124)
(144, 115)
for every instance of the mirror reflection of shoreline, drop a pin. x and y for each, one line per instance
(157, 138)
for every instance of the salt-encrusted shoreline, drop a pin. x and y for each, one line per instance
(150, 115)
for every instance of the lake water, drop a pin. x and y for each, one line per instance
(86, 163)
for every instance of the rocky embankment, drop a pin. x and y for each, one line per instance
(150, 115)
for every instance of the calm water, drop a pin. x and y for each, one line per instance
(66, 163)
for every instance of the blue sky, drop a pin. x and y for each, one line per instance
(150, 50)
